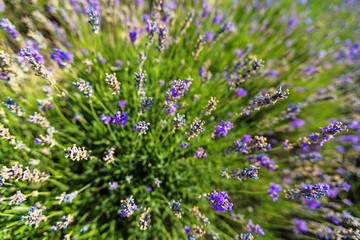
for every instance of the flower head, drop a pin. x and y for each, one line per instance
(220, 201)
(127, 207)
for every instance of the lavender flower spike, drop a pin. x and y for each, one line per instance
(9, 28)
(220, 201)
(94, 20)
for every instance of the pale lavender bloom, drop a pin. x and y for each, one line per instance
(254, 228)
(223, 128)
(200, 153)
(105, 118)
(113, 185)
(297, 123)
(121, 104)
(241, 92)
(9, 28)
(274, 190)
(291, 24)
(300, 226)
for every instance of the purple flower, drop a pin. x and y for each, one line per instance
(217, 18)
(311, 203)
(133, 35)
(240, 92)
(113, 185)
(297, 123)
(346, 186)
(9, 28)
(121, 104)
(94, 19)
(170, 108)
(105, 118)
(254, 228)
(62, 58)
(209, 36)
(178, 89)
(127, 207)
(246, 138)
(223, 128)
(310, 71)
(200, 153)
(300, 226)
(29, 52)
(187, 229)
(220, 201)
(264, 161)
(314, 191)
(274, 190)
(120, 118)
(184, 145)
(291, 24)
(206, 9)
(118, 64)
(340, 149)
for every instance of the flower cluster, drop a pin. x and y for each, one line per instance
(199, 216)
(17, 172)
(145, 219)
(220, 201)
(66, 197)
(196, 128)
(254, 228)
(175, 207)
(113, 83)
(84, 87)
(242, 174)
(13, 107)
(307, 191)
(175, 93)
(127, 207)
(142, 127)
(65, 221)
(222, 129)
(62, 58)
(249, 145)
(77, 153)
(17, 198)
(200, 153)
(264, 100)
(120, 118)
(243, 71)
(264, 161)
(274, 190)
(9, 28)
(35, 216)
(94, 20)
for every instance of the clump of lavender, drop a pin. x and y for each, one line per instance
(167, 104)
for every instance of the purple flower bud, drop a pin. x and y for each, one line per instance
(105, 118)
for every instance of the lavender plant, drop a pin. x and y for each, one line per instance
(179, 119)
